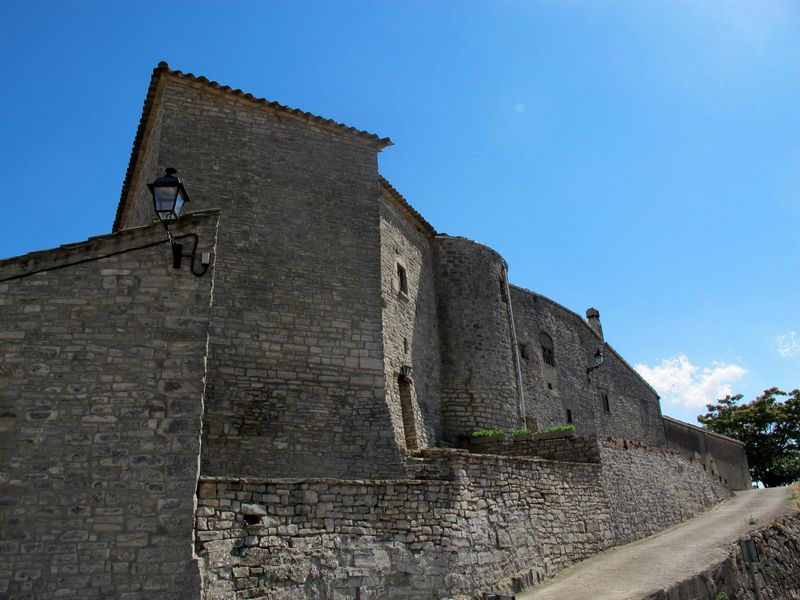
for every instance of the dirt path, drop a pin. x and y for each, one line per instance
(632, 571)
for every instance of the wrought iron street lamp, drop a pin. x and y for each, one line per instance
(169, 198)
(598, 360)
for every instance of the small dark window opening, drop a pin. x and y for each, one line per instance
(548, 356)
(549, 386)
(402, 279)
(569, 416)
(606, 405)
(405, 345)
(523, 351)
(252, 519)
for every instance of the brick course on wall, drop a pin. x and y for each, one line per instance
(101, 395)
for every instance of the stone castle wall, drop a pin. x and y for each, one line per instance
(550, 446)
(285, 360)
(650, 489)
(551, 390)
(720, 455)
(477, 523)
(478, 382)
(470, 523)
(101, 398)
(296, 373)
(410, 330)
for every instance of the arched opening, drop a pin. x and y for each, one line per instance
(407, 408)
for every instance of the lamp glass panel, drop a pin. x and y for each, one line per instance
(164, 198)
(179, 204)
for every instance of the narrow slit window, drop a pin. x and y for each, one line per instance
(569, 416)
(523, 351)
(606, 404)
(402, 279)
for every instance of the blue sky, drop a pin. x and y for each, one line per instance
(639, 157)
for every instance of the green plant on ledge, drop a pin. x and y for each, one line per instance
(488, 433)
(523, 431)
(555, 428)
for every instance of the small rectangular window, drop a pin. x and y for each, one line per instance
(569, 416)
(523, 351)
(547, 356)
(402, 279)
(606, 405)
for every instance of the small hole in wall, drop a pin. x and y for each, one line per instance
(549, 386)
(569, 416)
(252, 519)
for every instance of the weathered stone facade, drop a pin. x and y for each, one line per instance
(283, 425)
(102, 387)
(471, 522)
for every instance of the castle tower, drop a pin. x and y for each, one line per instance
(478, 382)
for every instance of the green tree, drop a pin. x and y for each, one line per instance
(769, 429)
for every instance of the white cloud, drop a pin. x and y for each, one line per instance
(680, 382)
(788, 344)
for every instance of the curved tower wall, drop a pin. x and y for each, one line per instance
(478, 372)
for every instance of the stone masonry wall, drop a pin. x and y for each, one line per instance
(550, 391)
(549, 446)
(478, 523)
(776, 573)
(479, 383)
(101, 396)
(296, 374)
(721, 455)
(410, 333)
(650, 489)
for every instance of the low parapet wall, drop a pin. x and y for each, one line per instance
(550, 446)
(721, 455)
(469, 523)
(650, 489)
(492, 522)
